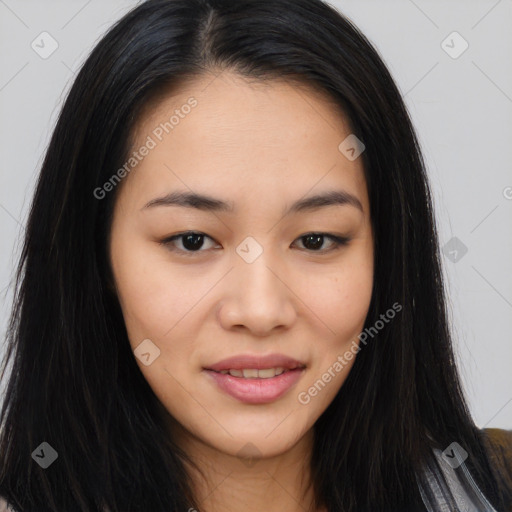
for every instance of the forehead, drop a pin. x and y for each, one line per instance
(228, 101)
(227, 132)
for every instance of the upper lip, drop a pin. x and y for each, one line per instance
(248, 361)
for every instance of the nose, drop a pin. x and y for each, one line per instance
(257, 297)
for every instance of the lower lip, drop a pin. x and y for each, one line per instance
(256, 391)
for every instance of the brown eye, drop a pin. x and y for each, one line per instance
(191, 242)
(314, 241)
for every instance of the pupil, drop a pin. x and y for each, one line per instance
(192, 242)
(317, 241)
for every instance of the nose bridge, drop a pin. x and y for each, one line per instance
(258, 280)
(257, 296)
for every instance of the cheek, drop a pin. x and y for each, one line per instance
(342, 307)
(154, 293)
(154, 302)
(150, 292)
(350, 306)
(345, 306)
(340, 298)
(341, 301)
(353, 292)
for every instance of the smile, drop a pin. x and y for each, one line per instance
(255, 373)
(255, 386)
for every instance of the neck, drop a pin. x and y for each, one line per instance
(229, 483)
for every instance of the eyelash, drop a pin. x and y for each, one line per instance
(338, 242)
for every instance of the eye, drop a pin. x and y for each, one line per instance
(313, 241)
(191, 242)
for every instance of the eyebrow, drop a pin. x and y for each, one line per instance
(208, 203)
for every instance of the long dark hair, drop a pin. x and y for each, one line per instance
(74, 381)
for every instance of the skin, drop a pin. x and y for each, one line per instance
(262, 146)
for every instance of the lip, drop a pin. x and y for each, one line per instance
(256, 391)
(258, 362)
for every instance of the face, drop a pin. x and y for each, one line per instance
(264, 274)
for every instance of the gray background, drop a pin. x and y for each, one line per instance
(461, 107)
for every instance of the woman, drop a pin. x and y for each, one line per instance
(230, 290)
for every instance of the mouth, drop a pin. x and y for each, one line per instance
(256, 379)
(250, 366)
(257, 373)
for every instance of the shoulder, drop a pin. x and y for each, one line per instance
(498, 446)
